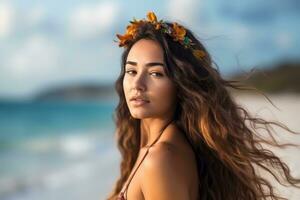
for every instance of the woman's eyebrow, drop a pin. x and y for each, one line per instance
(150, 64)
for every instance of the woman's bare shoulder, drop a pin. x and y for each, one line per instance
(163, 173)
(162, 152)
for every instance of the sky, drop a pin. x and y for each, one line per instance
(50, 43)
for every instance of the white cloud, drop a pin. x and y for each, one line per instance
(90, 20)
(36, 15)
(283, 40)
(32, 64)
(36, 55)
(239, 36)
(38, 63)
(14, 20)
(7, 14)
(185, 11)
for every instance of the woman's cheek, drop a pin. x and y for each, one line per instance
(166, 93)
(125, 87)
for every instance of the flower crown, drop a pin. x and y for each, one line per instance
(177, 32)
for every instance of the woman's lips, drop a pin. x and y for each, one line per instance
(139, 102)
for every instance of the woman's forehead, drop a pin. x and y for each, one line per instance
(148, 50)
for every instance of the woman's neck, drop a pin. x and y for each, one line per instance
(151, 130)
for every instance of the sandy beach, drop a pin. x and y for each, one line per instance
(287, 112)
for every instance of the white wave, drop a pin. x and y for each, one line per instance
(75, 145)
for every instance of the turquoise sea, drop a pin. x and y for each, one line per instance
(56, 150)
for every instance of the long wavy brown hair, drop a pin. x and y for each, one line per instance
(223, 135)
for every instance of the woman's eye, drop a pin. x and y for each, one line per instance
(129, 71)
(157, 74)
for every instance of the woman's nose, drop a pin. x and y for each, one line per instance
(139, 82)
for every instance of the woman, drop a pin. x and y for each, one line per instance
(179, 131)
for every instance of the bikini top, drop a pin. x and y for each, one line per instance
(121, 195)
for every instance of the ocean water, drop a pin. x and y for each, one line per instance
(56, 150)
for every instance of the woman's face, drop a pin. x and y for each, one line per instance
(146, 80)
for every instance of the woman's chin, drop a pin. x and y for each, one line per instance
(140, 115)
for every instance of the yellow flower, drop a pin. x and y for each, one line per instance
(152, 17)
(179, 32)
(199, 53)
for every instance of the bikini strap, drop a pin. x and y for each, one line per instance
(161, 132)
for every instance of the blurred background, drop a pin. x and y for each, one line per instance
(59, 61)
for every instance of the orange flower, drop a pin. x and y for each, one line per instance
(179, 32)
(123, 39)
(152, 17)
(157, 26)
(131, 29)
(130, 32)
